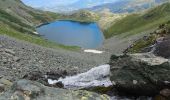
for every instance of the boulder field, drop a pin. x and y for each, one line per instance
(140, 74)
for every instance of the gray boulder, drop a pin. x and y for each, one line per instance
(163, 47)
(140, 74)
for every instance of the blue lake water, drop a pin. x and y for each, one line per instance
(71, 33)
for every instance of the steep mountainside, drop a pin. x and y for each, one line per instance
(136, 23)
(21, 17)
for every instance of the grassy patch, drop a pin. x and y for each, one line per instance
(15, 23)
(142, 44)
(162, 31)
(12, 19)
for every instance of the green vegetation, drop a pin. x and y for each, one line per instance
(162, 31)
(142, 44)
(13, 19)
(20, 17)
(14, 22)
(136, 23)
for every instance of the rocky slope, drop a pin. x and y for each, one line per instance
(134, 74)
(19, 58)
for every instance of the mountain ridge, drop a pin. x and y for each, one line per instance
(128, 6)
(118, 6)
(76, 5)
(137, 23)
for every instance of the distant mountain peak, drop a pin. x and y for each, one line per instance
(65, 5)
(94, 5)
(128, 6)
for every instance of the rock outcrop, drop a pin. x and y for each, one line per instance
(140, 74)
(156, 42)
(163, 48)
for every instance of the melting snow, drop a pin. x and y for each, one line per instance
(36, 33)
(98, 76)
(166, 82)
(93, 51)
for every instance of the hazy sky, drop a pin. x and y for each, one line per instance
(37, 3)
(48, 2)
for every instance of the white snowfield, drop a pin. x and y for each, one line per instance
(93, 51)
(98, 76)
(36, 33)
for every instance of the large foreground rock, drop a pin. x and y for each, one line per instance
(28, 90)
(140, 74)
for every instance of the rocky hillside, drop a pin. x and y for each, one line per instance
(82, 16)
(137, 23)
(156, 41)
(23, 60)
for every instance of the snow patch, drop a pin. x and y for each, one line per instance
(135, 82)
(98, 76)
(93, 51)
(36, 33)
(166, 82)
